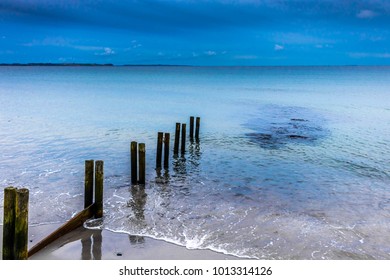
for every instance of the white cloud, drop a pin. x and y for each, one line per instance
(366, 14)
(278, 47)
(105, 51)
(108, 51)
(210, 53)
(323, 46)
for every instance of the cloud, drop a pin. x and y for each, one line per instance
(278, 47)
(106, 51)
(66, 43)
(135, 44)
(369, 55)
(49, 41)
(366, 14)
(296, 38)
(210, 53)
(323, 46)
(246, 57)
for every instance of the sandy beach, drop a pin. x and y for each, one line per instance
(86, 244)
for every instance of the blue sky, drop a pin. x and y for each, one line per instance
(223, 32)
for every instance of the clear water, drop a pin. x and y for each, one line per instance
(293, 162)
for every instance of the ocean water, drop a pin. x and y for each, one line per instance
(292, 162)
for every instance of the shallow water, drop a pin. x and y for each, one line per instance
(293, 162)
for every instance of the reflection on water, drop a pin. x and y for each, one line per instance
(91, 245)
(162, 176)
(136, 239)
(195, 153)
(137, 203)
(179, 167)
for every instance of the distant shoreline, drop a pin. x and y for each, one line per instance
(174, 65)
(54, 64)
(82, 64)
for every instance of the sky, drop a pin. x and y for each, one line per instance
(179, 32)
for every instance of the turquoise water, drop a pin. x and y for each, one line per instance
(293, 162)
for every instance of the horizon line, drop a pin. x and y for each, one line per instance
(182, 65)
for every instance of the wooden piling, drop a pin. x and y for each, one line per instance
(177, 138)
(141, 155)
(9, 223)
(183, 138)
(159, 149)
(197, 128)
(88, 183)
(166, 150)
(21, 224)
(99, 178)
(133, 153)
(191, 128)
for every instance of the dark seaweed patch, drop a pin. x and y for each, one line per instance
(278, 126)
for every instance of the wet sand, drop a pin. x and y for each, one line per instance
(86, 244)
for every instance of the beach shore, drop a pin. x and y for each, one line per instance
(87, 244)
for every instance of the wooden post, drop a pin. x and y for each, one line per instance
(99, 178)
(166, 150)
(21, 224)
(191, 128)
(197, 128)
(177, 138)
(159, 149)
(141, 152)
(88, 183)
(9, 223)
(183, 138)
(133, 152)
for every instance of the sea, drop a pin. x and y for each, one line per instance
(291, 162)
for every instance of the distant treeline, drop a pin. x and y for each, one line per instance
(55, 64)
(84, 64)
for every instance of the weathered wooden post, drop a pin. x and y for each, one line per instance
(9, 223)
(21, 224)
(183, 138)
(141, 152)
(191, 128)
(88, 183)
(166, 150)
(133, 154)
(177, 138)
(197, 128)
(99, 178)
(159, 149)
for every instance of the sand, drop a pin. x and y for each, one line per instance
(86, 244)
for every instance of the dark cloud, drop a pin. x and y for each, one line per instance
(174, 16)
(243, 28)
(142, 16)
